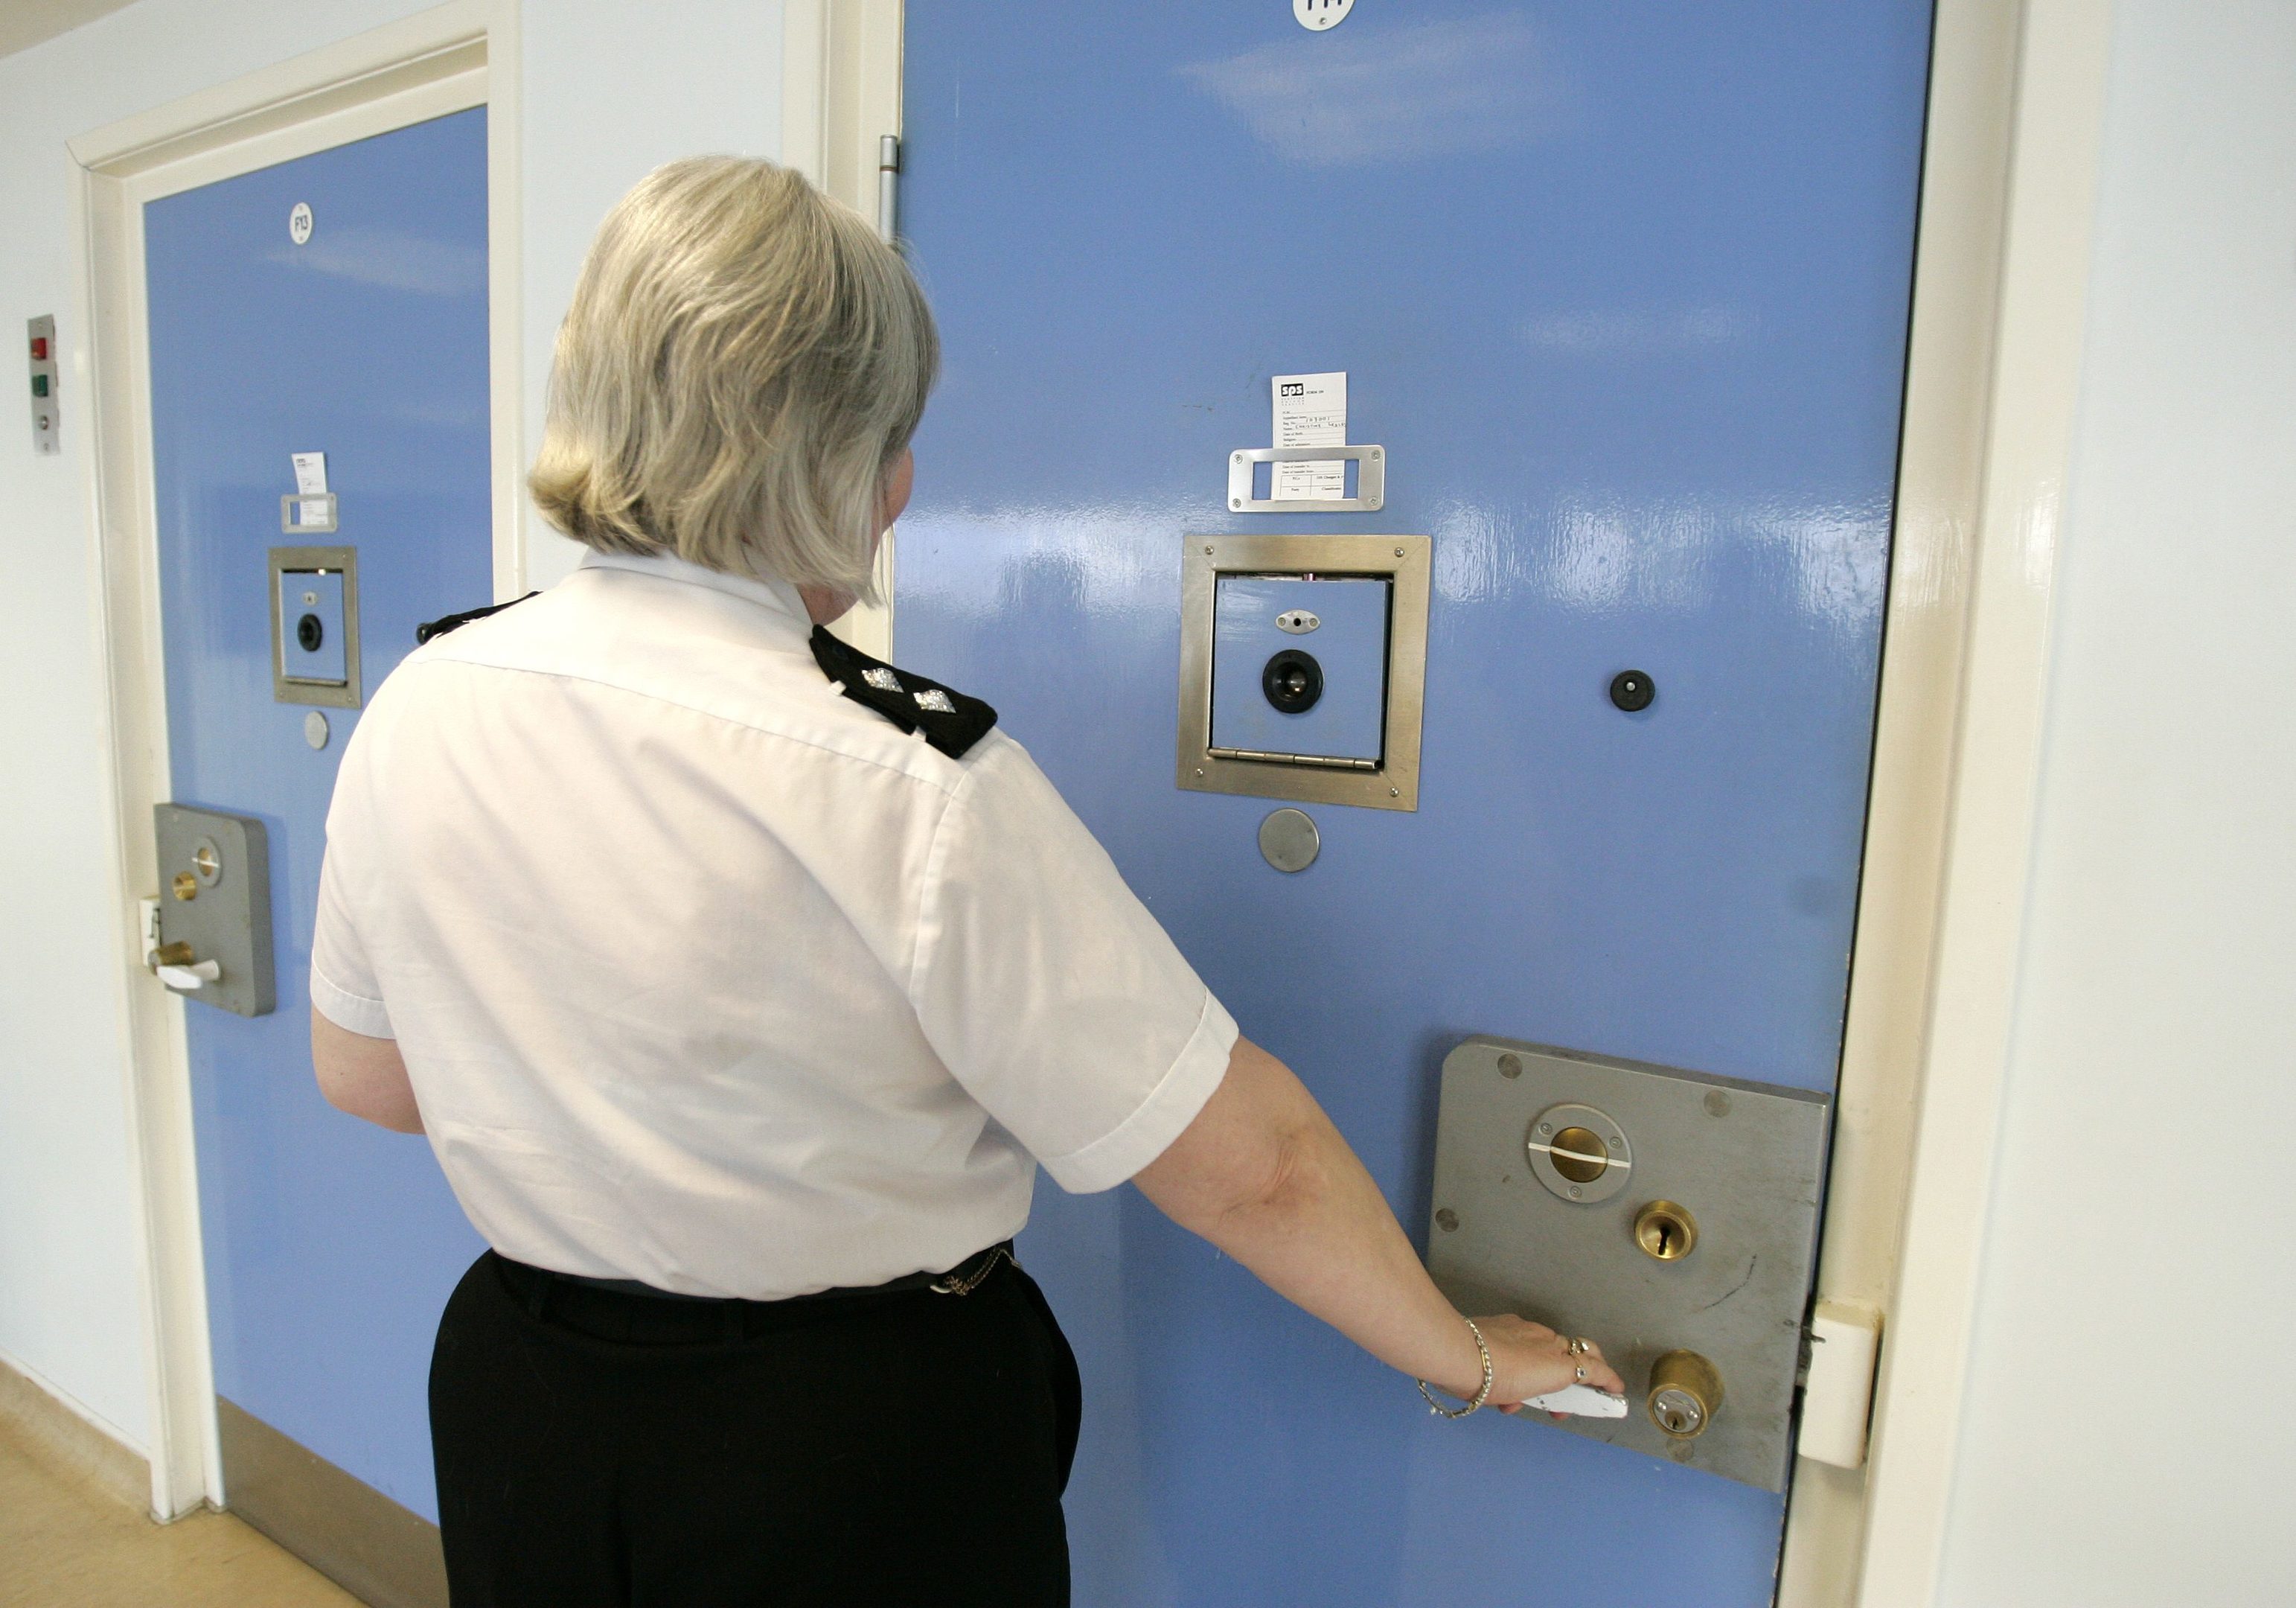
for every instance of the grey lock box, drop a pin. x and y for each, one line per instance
(1303, 667)
(215, 908)
(315, 627)
(1670, 1216)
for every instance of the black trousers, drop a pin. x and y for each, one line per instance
(597, 1449)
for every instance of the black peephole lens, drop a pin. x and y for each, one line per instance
(1294, 681)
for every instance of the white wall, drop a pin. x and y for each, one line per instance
(2123, 1442)
(613, 89)
(609, 89)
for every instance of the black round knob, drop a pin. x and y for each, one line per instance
(1632, 691)
(1292, 681)
(309, 633)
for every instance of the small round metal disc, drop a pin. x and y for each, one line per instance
(315, 729)
(1288, 840)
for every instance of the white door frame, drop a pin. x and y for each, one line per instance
(2009, 170)
(445, 59)
(2019, 109)
(841, 93)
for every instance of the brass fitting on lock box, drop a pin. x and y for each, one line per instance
(1686, 1393)
(1666, 1232)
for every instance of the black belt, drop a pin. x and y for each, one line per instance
(626, 1309)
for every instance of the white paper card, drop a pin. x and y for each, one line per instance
(1311, 410)
(311, 473)
(311, 511)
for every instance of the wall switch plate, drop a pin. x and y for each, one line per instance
(40, 345)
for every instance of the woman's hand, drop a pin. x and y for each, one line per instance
(1262, 1174)
(1529, 1360)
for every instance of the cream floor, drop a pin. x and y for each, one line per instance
(66, 1542)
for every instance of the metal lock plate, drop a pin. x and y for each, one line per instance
(1694, 1231)
(215, 906)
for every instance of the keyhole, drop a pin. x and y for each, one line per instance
(309, 633)
(1666, 1232)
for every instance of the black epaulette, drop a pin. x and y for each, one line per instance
(950, 721)
(440, 627)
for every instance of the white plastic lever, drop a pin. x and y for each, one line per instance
(195, 975)
(1580, 1401)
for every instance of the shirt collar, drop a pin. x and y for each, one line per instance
(777, 595)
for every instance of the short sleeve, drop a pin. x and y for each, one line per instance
(343, 988)
(1049, 990)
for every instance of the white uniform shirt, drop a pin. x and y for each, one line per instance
(707, 976)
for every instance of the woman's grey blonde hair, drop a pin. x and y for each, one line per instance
(744, 361)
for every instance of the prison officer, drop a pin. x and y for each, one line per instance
(742, 984)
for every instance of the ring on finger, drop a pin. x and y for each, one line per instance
(1580, 1345)
(1581, 1371)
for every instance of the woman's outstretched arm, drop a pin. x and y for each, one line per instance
(1264, 1174)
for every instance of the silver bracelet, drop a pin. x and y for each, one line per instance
(1481, 1395)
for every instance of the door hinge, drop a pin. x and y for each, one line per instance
(889, 186)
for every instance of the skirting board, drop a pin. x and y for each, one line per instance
(33, 1411)
(369, 1546)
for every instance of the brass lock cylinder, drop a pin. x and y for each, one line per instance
(1686, 1393)
(1666, 1232)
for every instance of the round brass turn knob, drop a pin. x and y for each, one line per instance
(1580, 1154)
(1666, 1232)
(1686, 1393)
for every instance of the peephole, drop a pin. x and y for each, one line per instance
(1292, 681)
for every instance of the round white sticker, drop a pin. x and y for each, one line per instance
(1321, 14)
(299, 223)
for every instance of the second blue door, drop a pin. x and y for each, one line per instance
(330, 1245)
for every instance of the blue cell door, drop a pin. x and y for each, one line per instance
(1622, 291)
(330, 1245)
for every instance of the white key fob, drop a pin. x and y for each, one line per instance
(1580, 1401)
